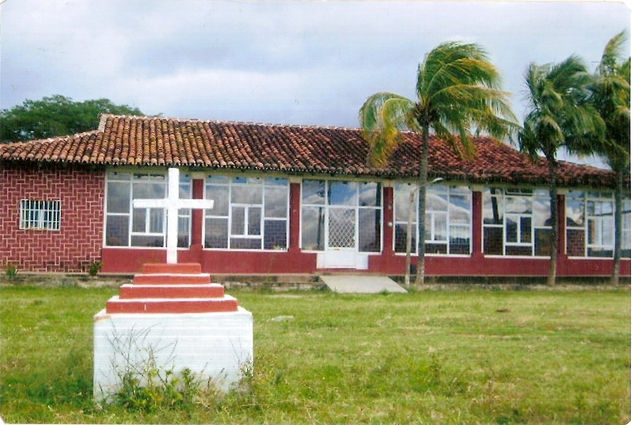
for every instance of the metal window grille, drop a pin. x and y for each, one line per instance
(44, 215)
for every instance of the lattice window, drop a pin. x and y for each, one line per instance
(41, 215)
(338, 214)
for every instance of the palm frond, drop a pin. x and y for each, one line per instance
(382, 117)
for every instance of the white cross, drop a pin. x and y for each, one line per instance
(172, 204)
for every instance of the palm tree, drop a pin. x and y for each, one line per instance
(560, 117)
(457, 89)
(611, 95)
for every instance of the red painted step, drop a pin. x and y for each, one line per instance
(172, 279)
(165, 268)
(178, 305)
(212, 290)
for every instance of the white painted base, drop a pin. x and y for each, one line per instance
(212, 345)
(342, 260)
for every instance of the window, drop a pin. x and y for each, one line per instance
(337, 214)
(448, 219)
(516, 222)
(41, 215)
(590, 224)
(142, 227)
(248, 213)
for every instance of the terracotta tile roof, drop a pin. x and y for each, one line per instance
(158, 141)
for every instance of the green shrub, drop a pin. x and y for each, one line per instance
(11, 271)
(94, 268)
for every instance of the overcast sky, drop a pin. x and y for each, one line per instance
(293, 62)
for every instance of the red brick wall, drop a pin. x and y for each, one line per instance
(78, 242)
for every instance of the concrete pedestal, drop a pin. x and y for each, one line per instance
(172, 318)
(218, 346)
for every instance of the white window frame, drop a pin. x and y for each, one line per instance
(327, 206)
(40, 215)
(504, 193)
(127, 176)
(600, 196)
(433, 213)
(259, 182)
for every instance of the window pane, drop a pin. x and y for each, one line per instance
(519, 250)
(183, 232)
(254, 221)
(118, 197)
(276, 202)
(275, 234)
(593, 230)
(526, 229)
(148, 190)
(313, 192)
(576, 242)
(342, 193)
(459, 242)
(369, 230)
(246, 194)
(512, 229)
(238, 220)
(369, 194)
(216, 232)
(459, 209)
(493, 206)
(599, 252)
(220, 197)
(493, 240)
(436, 198)
(440, 227)
(148, 241)
(401, 238)
(117, 230)
(138, 220)
(242, 243)
(312, 228)
(435, 248)
(541, 212)
(542, 242)
(518, 204)
(156, 220)
(575, 212)
(607, 231)
(401, 201)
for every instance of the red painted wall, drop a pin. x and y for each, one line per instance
(78, 242)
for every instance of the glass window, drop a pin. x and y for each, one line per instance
(447, 221)
(143, 227)
(255, 210)
(516, 221)
(349, 217)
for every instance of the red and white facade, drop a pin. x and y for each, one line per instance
(271, 220)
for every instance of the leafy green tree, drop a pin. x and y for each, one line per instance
(55, 116)
(611, 96)
(457, 89)
(560, 117)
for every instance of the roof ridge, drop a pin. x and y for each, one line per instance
(263, 124)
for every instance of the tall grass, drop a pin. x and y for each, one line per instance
(459, 357)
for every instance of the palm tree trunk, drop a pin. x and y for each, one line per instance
(423, 177)
(615, 275)
(551, 279)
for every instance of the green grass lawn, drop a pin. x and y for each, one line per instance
(458, 357)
